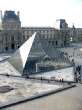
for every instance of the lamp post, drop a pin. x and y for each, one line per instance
(74, 53)
(73, 60)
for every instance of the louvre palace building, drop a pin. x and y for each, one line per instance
(12, 35)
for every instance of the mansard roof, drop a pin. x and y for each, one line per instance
(10, 15)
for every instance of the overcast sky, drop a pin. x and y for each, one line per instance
(45, 12)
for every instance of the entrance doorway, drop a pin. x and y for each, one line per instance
(12, 46)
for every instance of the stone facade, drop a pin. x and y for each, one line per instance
(55, 37)
(10, 40)
(12, 35)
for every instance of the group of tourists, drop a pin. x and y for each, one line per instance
(77, 74)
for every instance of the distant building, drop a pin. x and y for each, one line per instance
(10, 20)
(53, 36)
(75, 34)
(12, 35)
(61, 24)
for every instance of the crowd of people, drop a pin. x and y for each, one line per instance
(77, 74)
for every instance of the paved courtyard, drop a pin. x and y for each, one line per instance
(70, 99)
(15, 88)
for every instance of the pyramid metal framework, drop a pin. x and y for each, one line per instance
(16, 63)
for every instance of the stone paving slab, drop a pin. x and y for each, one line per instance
(70, 99)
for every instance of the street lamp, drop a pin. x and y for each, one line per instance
(73, 60)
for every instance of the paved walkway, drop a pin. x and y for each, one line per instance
(70, 99)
